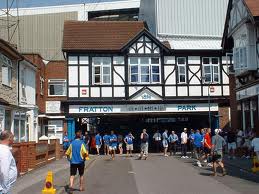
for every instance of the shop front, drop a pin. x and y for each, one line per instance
(123, 118)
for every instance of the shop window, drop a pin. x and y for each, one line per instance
(210, 69)
(57, 87)
(101, 70)
(144, 70)
(83, 60)
(72, 60)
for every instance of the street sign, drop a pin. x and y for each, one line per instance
(212, 89)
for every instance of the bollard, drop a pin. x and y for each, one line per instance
(255, 165)
(48, 188)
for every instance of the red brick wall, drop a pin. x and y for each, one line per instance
(224, 117)
(38, 61)
(55, 70)
(233, 103)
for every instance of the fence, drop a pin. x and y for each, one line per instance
(31, 155)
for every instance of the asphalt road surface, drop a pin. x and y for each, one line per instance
(160, 175)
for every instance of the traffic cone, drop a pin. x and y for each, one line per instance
(255, 165)
(48, 188)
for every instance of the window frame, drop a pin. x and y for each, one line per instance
(212, 70)
(41, 85)
(150, 70)
(101, 74)
(178, 69)
(64, 81)
(6, 63)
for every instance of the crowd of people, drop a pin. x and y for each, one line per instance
(206, 148)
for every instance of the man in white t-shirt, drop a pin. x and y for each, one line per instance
(8, 170)
(184, 139)
(240, 137)
(255, 145)
(157, 140)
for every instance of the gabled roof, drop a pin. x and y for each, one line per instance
(99, 35)
(9, 50)
(253, 6)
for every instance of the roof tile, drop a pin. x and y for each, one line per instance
(253, 6)
(99, 35)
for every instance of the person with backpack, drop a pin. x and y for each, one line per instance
(144, 145)
(218, 143)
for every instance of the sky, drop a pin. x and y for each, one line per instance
(41, 3)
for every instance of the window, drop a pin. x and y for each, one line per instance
(101, 70)
(144, 70)
(8, 120)
(240, 58)
(6, 70)
(211, 70)
(41, 85)
(181, 65)
(57, 87)
(23, 85)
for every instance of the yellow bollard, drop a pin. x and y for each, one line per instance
(255, 165)
(48, 188)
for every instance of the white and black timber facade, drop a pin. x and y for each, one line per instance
(121, 76)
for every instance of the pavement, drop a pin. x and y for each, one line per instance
(157, 175)
(163, 175)
(33, 181)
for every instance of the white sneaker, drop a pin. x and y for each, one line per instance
(183, 157)
(166, 155)
(205, 161)
(186, 157)
(199, 164)
(209, 165)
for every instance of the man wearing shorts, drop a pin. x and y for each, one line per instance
(98, 143)
(76, 154)
(120, 144)
(113, 144)
(218, 143)
(144, 145)
(106, 140)
(165, 142)
(129, 143)
(207, 145)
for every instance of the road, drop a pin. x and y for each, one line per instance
(160, 175)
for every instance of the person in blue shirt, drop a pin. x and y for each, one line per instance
(76, 154)
(197, 143)
(113, 144)
(173, 139)
(165, 142)
(129, 143)
(106, 141)
(98, 143)
(191, 140)
(65, 142)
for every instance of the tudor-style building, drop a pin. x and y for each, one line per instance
(241, 37)
(122, 77)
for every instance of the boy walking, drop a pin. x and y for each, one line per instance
(113, 144)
